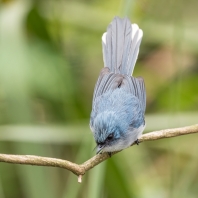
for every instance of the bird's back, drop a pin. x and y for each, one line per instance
(119, 99)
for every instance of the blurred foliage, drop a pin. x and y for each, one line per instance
(50, 58)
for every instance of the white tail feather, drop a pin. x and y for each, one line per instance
(136, 37)
(104, 38)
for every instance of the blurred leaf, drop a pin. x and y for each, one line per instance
(69, 190)
(50, 58)
(34, 179)
(1, 191)
(96, 180)
(36, 24)
(115, 183)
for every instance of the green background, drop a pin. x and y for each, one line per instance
(50, 58)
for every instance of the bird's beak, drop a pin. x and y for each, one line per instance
(99, 148)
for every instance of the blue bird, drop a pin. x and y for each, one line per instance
(119, 99)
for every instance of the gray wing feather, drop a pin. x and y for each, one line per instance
(110, 81)
(140, 91)
(136, 86)
(107, 81)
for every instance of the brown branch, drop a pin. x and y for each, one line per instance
(81, 169)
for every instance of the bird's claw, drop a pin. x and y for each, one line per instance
(137, 142)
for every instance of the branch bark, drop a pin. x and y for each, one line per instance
(81, 169)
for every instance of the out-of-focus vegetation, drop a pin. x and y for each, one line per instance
(50, 58)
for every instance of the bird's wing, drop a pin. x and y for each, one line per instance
(107, 81)
(110, 81)
(136, 86)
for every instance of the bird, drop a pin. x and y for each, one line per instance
(119, 99)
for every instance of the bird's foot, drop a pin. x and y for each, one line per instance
(137, 142)
(109, 153)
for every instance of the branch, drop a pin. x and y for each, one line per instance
(81, 169)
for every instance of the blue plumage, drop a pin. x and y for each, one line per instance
(119, 100)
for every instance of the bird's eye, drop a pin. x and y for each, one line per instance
(100, 143)
(110, 137)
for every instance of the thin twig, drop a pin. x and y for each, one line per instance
(81, 169)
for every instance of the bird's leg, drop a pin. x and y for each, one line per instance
(137, 142)
(109, 153)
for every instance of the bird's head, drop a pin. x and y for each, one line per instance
(108, 132)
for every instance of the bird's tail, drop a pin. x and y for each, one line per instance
(121, 45)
